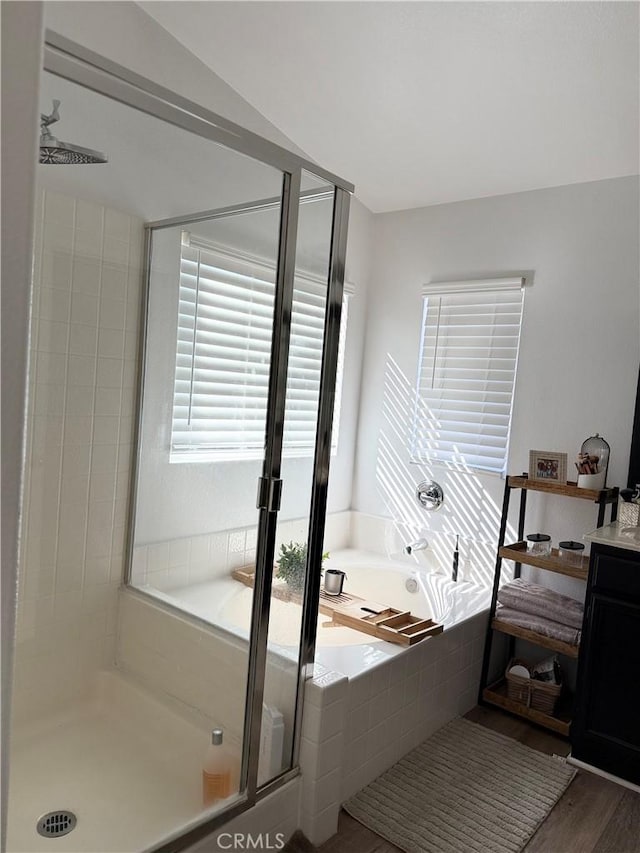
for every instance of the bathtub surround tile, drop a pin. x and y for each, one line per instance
(436, 681)
(320, 799)
(379, 709)
(318, 828)
(237, 539)
(337, 533)
(216, 554)
(396, 699)
(312, 722)
(158, 556)
(200, 549)
(326, 688)
(323, 792)
(179, 552)
(359, 690)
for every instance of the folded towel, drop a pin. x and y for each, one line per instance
(546, 627)
(539, 601)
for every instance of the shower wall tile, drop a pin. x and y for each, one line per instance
(87, 285)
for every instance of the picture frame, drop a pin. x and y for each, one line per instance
(548, 466)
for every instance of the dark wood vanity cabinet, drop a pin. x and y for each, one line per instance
(605, 731)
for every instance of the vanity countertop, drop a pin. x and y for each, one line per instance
(616, 536)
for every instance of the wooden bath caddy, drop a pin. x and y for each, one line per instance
(351, 611)
(387, 623)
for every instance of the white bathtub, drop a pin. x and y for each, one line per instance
(227, 603)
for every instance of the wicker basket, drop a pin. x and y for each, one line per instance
(628, 514)
(538, 695)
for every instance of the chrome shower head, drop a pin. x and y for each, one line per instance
(52, 151)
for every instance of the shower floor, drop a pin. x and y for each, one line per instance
(127, 766)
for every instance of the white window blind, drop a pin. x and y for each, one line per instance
(223, 358)
(466, 373)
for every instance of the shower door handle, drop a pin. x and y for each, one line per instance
(269, 493)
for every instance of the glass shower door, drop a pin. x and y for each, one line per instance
(309, 432)
(213, 290)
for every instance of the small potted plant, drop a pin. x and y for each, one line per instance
(292, 562)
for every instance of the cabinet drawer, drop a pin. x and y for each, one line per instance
(617, 575)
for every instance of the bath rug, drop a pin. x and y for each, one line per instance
(466, 789)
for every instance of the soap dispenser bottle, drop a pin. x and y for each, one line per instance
(216, 771)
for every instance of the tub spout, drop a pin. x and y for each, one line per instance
(418, 545)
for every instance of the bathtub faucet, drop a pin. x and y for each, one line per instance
(418, 545)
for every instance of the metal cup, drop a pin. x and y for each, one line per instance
(333, 581)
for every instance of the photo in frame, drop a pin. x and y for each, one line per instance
(548, 466)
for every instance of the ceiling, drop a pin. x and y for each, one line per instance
(420, 103)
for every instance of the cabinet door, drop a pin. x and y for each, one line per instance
(606, 730)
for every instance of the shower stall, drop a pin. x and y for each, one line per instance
(186, 332)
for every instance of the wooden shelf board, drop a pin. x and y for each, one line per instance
(533, 637)
(552, 563)
(568, 489)
(497, 695)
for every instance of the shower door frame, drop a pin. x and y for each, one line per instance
(69, 60)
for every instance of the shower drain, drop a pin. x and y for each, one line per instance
(54, 824)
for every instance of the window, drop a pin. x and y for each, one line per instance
(225, 320)
(466, 373)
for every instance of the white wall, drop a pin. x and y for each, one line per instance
(579, 349)
(21, 57)
(358, 267)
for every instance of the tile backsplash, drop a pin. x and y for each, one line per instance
(169, 564)
(180, 562)
(83, 350)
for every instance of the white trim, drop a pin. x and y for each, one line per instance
(475, 285)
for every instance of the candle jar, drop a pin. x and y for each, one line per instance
(539, 544)
(571, 552)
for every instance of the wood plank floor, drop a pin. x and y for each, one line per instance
(593, 816)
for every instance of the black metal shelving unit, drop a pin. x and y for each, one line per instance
(496, 694)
